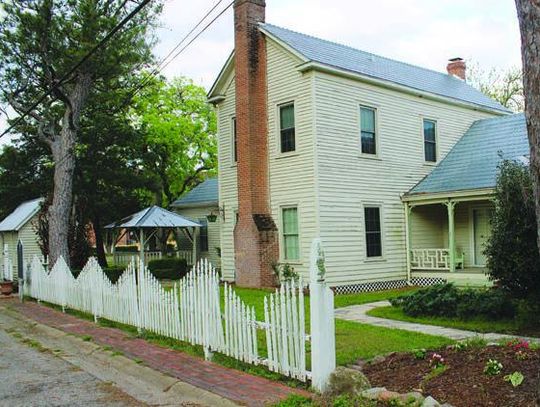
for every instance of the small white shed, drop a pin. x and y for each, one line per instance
(20, 225)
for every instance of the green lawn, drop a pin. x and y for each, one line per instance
(507, 326)
(355, 340)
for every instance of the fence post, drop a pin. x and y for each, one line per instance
(323, 339)
(20, 269)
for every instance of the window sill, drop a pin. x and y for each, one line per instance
(375, 260)
(370, 157)
(234, 165)
(430, 164)
(291, 262)
(286, 155)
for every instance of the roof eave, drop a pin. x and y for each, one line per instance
(442, 196)
(214, 95)
(317, 66)
(194, 205)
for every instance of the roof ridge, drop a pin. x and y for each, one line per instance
(366, 52)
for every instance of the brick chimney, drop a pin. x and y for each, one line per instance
(255, 234)
(457, 67)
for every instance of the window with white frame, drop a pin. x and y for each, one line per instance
(291, 244)
(368, 130)
(372, 221)
(287, 128)
(430, 140)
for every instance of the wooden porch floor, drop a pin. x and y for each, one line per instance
(467, 277)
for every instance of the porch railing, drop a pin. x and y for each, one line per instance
(185, 254)
(430, 259)
(127, 257)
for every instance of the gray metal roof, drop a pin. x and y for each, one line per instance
(22, 214)
(153, 217)
(206, 193)
(473, 161)
(364, 63)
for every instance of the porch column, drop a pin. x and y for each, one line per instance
(450, 205)
(408, 210)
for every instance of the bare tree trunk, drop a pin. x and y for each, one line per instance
(529, 23)
(63, 151)
(100, 245)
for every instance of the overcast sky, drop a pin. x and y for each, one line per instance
(422, 32)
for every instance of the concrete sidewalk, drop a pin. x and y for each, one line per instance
(357, 313)
(189, 379)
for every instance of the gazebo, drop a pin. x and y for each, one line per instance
(147, 222)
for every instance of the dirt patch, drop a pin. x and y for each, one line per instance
(464, 382)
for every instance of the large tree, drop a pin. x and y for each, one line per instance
(528, 12)
(40, 42)
(179, 128)
(505, 86)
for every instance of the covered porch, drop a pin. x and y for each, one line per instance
(446, 237)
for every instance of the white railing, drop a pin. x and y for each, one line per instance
(186, 255)
(430, 259)
(124, 258)
(192, 312)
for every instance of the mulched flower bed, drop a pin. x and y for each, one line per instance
(464, 382)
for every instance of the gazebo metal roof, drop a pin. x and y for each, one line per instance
(153, 217)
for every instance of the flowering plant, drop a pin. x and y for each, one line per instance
(436, 360)
(518, 344)
(493, 367)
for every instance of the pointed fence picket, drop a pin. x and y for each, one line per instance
(192, 311)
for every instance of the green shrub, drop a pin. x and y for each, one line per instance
(512, 254)
(128, 248)
(445, 300)
(113, 273)
(168, 268)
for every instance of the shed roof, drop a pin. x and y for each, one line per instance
(473, 161)
(21, 215)
(206, 193)
(153, 217)
(364, 63)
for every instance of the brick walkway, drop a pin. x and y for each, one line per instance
(232, 384)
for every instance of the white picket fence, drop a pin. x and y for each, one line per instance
(192, 312)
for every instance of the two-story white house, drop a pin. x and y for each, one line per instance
(318, 139)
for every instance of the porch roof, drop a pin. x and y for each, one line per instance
(472, 164)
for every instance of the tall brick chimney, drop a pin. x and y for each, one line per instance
(457, 67)
(255, 234)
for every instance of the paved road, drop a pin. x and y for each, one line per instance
(30, 377)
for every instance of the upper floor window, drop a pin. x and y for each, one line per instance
(372, 219)
(367, 130)
(234, 141)
(291, 245)
(286, 128)
(430, 140)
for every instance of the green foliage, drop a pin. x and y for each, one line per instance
(419, 353)
(295, 400)
(168, 268)
(446, 300)
(512, 254)
(179, 128)
(493, 367)
(285, 272)
(127, 249)
(515, 378)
